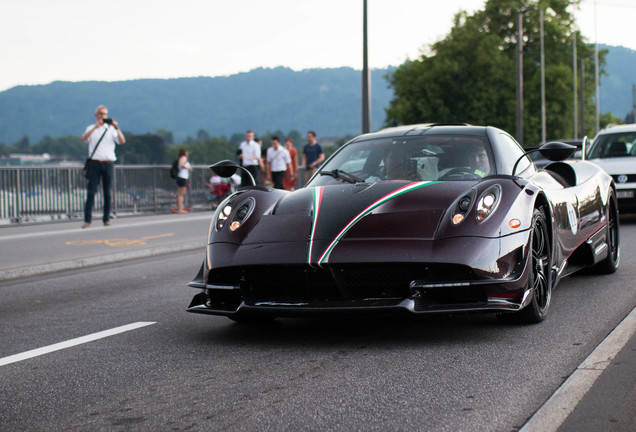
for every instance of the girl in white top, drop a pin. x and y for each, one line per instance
(182, 179)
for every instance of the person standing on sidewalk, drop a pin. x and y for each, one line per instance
(183, 178)
(101, 138)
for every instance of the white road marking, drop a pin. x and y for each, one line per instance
(561, 404)
(72, 342)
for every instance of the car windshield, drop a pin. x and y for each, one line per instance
(430, 158)
(614, 145)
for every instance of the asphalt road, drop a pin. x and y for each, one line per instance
(180, 371)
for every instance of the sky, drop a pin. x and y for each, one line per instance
(85, 40)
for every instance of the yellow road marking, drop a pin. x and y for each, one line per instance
(117, 242)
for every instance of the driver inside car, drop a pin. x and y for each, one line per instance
(478, 161)
(399, 166)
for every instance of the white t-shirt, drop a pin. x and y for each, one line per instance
(278, 158)
(184, 173)
(106, 149)
(251, 153)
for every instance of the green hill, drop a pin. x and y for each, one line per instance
(616, 88)
(325, 100)
(266, 100)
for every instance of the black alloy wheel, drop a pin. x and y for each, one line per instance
(540, 278)
(610, 264)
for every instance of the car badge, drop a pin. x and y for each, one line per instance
(572, 218)
(622, 178)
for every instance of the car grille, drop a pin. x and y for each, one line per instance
(631, 178)
(304, 284)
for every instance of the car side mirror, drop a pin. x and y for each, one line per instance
(227, 168)
(556, 151)
(552, 151)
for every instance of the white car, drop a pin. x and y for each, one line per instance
(614, 150)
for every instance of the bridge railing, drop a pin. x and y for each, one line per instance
(39, 194)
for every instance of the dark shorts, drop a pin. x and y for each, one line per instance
(181, 182)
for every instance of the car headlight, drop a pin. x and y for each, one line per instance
(223, 214)
(228, 214)
(461, 207)
(242, 213)
(487, 203)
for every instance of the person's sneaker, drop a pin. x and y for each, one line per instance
(86, 225)
(106, 223)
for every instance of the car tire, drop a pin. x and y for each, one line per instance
(610, 264)
(540, 277)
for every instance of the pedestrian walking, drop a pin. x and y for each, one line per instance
(278, 162)
(312, 155)
(291, 175)
(250, 155)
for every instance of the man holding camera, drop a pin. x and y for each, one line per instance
(101, 138)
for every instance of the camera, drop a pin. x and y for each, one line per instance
(108, 120)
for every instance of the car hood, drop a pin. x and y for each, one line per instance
(322, 217)
(619, 165)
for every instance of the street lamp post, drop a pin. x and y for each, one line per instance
(574, 85)
(543, 108)
(597, 92)
(366, 78)
(520, 77)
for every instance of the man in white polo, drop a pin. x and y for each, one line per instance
(278, 161)
(250, 154)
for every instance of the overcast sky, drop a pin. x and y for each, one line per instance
(78, 40)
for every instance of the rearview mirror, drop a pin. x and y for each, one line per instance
(556, 151)
(227, 168)
(552, 151)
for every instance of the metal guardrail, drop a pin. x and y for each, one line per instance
(39, 194)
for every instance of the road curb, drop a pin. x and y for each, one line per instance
(565, 399)
(17, 273)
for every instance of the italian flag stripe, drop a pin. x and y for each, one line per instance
(317, 197)
(409, 187)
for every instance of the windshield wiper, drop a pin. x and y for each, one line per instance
(343, 175)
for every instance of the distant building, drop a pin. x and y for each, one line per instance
(17, 159)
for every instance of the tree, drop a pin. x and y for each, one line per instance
(142, 149)
(610, 119)
(24, 145)
(67, 146)
(237, 138)
(296, 136)
(470, 76)
(45, 145)
(166, 135)
(203, 135)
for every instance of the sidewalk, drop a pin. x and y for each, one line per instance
(31, 250)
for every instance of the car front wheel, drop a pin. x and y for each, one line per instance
(540, 277)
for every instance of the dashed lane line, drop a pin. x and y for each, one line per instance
(72, 342)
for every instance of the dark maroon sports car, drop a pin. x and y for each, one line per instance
(419, 219)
